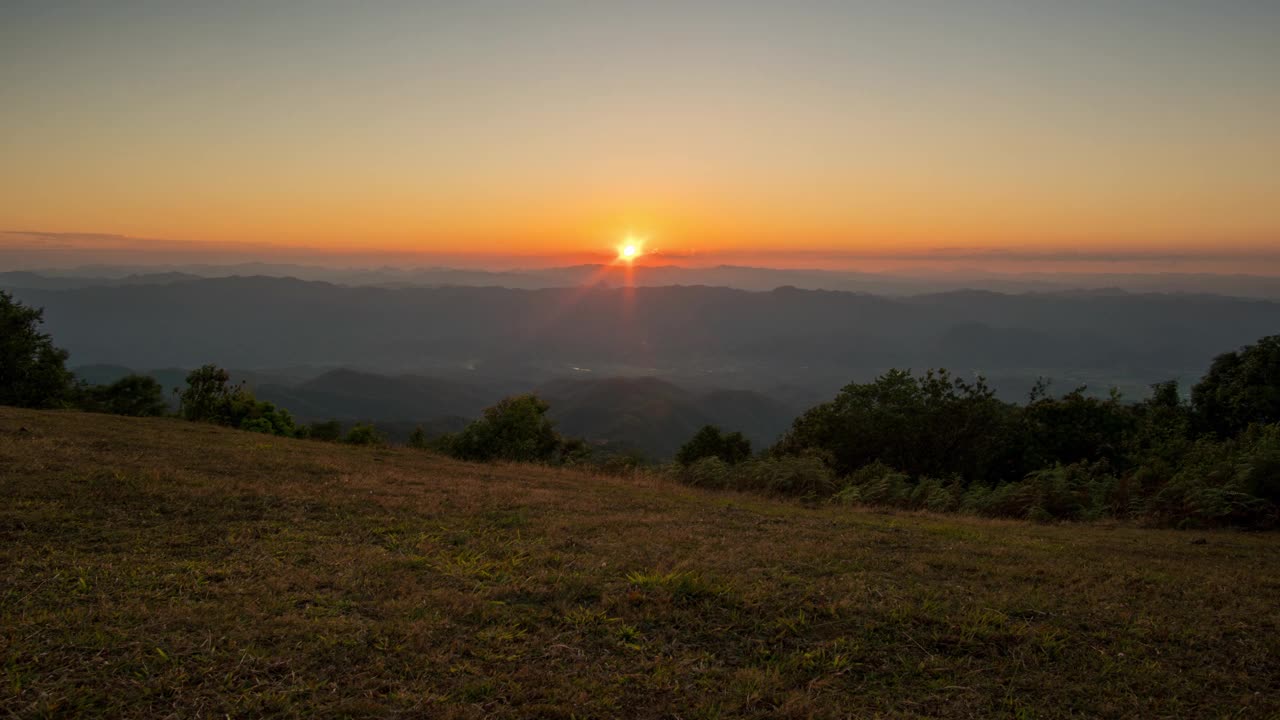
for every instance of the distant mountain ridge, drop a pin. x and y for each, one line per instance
(627, 367)
(732, 276)
(696, 336)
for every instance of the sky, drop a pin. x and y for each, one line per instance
(799, 133)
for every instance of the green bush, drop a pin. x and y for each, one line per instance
(1224, 482)
(209, 397)
(364, 434)
(1259, 467)
(876, 484)
(710, 441)
(258, 425)
(517, 429)
(1078, 491)
(802, 476)
(328, 431)
(709, 472)
(133, 395)
(935, 495)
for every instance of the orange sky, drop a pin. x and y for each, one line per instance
(716, 129)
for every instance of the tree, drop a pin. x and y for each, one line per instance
(207, 395)
(1160, 434)
(515, 429)
(1077, 428)
(33, 372)
(135, 395)
(1240, 389)
(710, 441)
(937, 425)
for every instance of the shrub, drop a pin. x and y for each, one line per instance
(1259, 467)
(418, 438)
(572, 451)
(1064, 492)
(709, 472)
(134, 395)
(209, 397)
(1187, 503)
(935, 495)
(625, 463)
(328, 431)
(516, 429)
(799, 475)
(710, 441)
(876, 484)
(1224, 482)
(266, 417)
(364, 434)
(258, 425)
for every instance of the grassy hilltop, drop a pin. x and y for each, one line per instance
(158, 568)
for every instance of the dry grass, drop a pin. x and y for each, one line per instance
(155, 568)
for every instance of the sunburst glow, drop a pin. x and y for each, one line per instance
(631, 248)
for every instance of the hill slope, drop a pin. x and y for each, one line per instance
(157, 568)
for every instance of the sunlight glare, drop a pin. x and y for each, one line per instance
(631, 248)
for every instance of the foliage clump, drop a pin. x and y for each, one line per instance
(1242, 388)
(941, 443)
(33, 372)
(210, 397)
(801, 476)
(364, 434)
(711, 441)
(327, 431)
(132, 395)
(516, 429)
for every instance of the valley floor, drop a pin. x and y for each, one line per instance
(157, 568)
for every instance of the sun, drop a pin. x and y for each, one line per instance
(631, 248)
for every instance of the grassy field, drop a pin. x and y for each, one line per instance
(156, 568)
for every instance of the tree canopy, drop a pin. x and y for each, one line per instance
(33, 372)
(711, 441)
(1240, 389)
(516, 429)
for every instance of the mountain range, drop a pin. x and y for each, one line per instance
(901, 283)
(637, 367)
